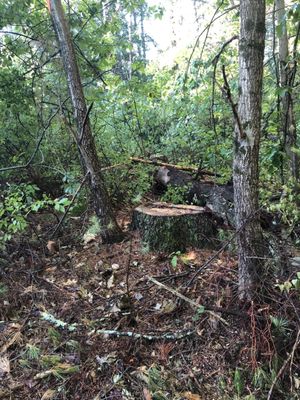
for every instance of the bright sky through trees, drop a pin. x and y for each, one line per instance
(179, 27)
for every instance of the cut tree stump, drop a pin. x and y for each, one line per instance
(169, 227)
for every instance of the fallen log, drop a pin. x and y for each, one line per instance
(219, 198)
(179, 167)
(169, 227)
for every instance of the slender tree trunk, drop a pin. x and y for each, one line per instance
(247, 138)
(110, 230)
(143, 34)
(287, 115)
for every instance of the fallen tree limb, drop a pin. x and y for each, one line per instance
(152, 336)
(189, 301)
(112, 332)
(182, 168)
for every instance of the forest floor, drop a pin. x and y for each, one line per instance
(86, 323)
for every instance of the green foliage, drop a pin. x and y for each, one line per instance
(17, 202)
(287, 207)
(293, 284)
(139, 108)
(130, 185)
(3, 289)
(199, 312)
(94, 226)
(157, 384)
(238, 381)
(174, 258)
(32, 352)
(175, 194)
(54, 336)
(280, 326)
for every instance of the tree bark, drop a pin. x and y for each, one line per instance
(287, 115)
(247, 138)
(110, 230)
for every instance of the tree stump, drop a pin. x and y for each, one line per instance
(169, 227)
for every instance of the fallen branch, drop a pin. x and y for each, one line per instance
(114, 166)
(151, 336)
(182, 168)
(148, 336)
(189, 301)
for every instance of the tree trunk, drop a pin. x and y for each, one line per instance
(84, 138)
(287, 115)
(143, 34)
(247, 138)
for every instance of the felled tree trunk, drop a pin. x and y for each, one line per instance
(219, 198)
(168, 227)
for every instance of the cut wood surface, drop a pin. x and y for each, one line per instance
(169, 227)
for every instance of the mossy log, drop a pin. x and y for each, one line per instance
(169, 227)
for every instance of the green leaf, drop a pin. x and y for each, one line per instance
(174, 261)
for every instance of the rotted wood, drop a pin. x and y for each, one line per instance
(169, 227)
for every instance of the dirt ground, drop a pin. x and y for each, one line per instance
(86, 321)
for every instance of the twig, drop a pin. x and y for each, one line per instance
(18, 34)
(199, 36)
(224, 45)
(191, 302)
(69, 206)
(290, 357)
(114, 166)
(207, 33)
(215, 64)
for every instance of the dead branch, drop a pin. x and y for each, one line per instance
(179, 167)
(189, 301)
(114, 166)
(151, 336)
(227, 92)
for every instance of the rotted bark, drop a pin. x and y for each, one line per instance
(110, 230)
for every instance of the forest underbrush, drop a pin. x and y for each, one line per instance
(84, 320)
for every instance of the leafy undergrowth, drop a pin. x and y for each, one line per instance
(63, 316)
